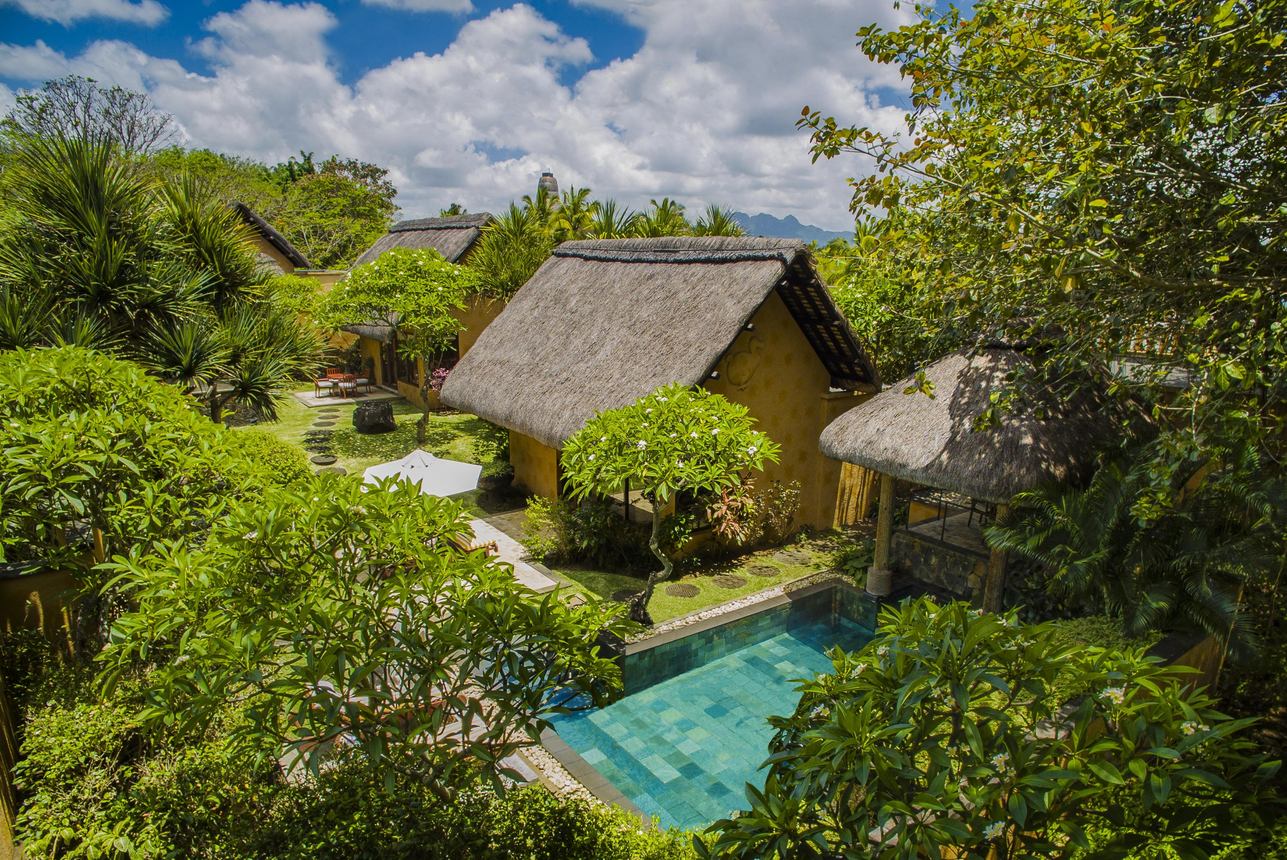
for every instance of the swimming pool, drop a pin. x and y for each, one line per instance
(692, 729)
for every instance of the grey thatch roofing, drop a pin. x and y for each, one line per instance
(604, 322)
(932, 440)
(277, 240)
(451, 236)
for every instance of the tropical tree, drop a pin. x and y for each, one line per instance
(955, 733)
(510, 250)
(333, 218)
(417, 292)
(160, 272)
(894, 311)
(341, 618)
(612, 221)
(716, 221)
(452, 210)
(79, 107)
(665, 218)
(227, 177)
(1108, 174)
(676, 440)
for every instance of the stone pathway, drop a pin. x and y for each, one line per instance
(511, 552)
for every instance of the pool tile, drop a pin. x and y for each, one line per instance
(683, 747)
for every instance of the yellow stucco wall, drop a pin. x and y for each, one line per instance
(325, 278)
(265, 249)
(536, 466)
(774, 372)
(477, 315)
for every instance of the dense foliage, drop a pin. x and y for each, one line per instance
(970, 733)
(1109, 176)
(1182, 568)
(350, 619)
(520, 239)
(676, 440)
(161, 272)
(415, 291)
(97, 456)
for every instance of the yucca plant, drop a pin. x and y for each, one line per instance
(156, 270)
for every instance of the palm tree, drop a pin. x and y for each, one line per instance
(717, 222)
(574, 216)
(666, 218)
(512, 248)
(610, 222)
(541, 205)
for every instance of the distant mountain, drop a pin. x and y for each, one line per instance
(789, 227)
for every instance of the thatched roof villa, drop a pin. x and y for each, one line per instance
(966, 475)
(275, 250)
(454, 237)
(604, 322)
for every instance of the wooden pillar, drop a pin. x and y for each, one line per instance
(994, 585)
(879, 576)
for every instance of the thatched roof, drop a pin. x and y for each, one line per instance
(604, 322)
(271, 236)
(451, 236)
(932, 440)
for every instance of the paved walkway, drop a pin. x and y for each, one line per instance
(312, 401)
(511, 552)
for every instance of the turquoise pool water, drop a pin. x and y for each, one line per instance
(683, 746)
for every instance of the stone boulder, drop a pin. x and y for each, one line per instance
(374, 417)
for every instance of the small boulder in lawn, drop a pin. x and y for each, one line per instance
(374, 417)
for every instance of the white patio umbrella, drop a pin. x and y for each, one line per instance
(436, 476)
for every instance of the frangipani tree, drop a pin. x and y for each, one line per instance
(960, 734)
(675, 440)
(417, 292)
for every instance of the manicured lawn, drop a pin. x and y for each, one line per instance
(451, 435)
(759, 570)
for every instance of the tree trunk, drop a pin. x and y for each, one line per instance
(216, 405)
(422, 426)
(639, 603)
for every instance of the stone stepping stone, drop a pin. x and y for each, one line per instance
(332, 470)
(324, 460)
(793, 556)
(623, 595)
(682, 589)
(572, 601)
(323, 423)
(728, 580)
(765, 570)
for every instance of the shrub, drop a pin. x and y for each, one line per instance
(778, 505)
(97, 783)
(348, 813)
(592, 532)
(278, 463)
(491, 443)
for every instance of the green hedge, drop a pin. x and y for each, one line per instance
(275, 461)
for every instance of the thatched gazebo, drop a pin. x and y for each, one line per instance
(604, 322)
(972, 473)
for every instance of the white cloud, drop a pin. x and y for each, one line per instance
(423, 5)
(703, 112)
(146, 12)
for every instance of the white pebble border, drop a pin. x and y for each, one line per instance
(733, 605)
(555, 775)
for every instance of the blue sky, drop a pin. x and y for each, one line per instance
(468, 100)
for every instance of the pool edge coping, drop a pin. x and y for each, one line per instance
(773, 597)
(587, 775)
